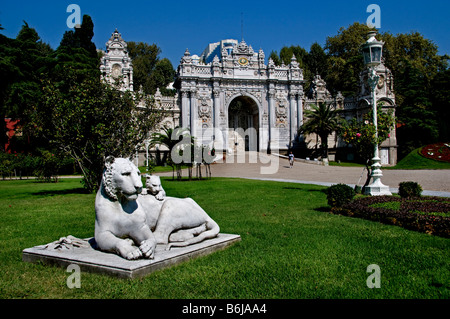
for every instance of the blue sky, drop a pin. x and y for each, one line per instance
(270, 25)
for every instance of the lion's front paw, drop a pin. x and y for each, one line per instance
(128, 251)
(147, 247)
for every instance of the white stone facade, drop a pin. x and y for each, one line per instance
(116, 65)
(272, 98)
(238, 103)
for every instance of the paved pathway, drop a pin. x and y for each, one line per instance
(271, 167)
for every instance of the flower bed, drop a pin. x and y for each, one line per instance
(430, 215)
(438, 151)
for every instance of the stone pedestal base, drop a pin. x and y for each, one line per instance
(377, 189)
(92, 260)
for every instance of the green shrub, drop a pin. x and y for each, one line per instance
(409, 189)
(48, 167)
(429, 215)
(339, 195)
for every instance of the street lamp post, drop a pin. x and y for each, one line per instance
(147, 144)
(372, 51)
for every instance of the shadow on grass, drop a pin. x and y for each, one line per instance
(323, 209)
(324, 190)
(79, 190)
(188, 180)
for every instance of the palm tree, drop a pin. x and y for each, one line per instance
(166, 138)
(322, 120)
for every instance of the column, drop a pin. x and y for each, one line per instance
(300, 114)
(271, 95)
(292, 120)
(216, 108)
(193, 111)
(185, 106)
(218, 136)
(299, 110)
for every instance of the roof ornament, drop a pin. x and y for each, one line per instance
(187, 57)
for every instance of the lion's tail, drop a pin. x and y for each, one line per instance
(212, 231)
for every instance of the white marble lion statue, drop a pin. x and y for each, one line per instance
(120, 222)
(130, 222)
(153, 187)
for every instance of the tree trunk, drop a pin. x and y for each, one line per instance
(178, 172)
(208, 170)
(369, 176)
(324, 145)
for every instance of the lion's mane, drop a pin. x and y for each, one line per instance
(107, 181)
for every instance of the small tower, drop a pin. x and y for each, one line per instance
(116, 67)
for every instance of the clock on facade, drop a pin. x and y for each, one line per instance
(243, 61)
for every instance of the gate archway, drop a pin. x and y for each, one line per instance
(243, 124)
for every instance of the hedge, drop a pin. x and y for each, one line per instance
(430, 215)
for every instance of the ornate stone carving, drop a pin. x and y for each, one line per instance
(318, 90)
(115, 65)
(237, 70)
(67, 243)
(281, 112)
(204, 109)
(187, 59)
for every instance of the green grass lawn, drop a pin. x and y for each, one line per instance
(291, 247)
(415, 161)
(411, 161)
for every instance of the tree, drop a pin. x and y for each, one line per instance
(183, 150)
(149, 72)
(321, 120)
(412, 48)
(415, 64)
(316, 61)
(286, 54)
(419, 124)
(338, 63)
(60, 99)
(48, 166)
(168, 138)
(360, 134)
(77, 51)
(23, 62)
(10, 74)
(312, 62)
(275, 58)
(83, 117)
(89, 120)
(162, 75)
(440, 100)
(345, 61)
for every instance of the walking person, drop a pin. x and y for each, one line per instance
(291, 159)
